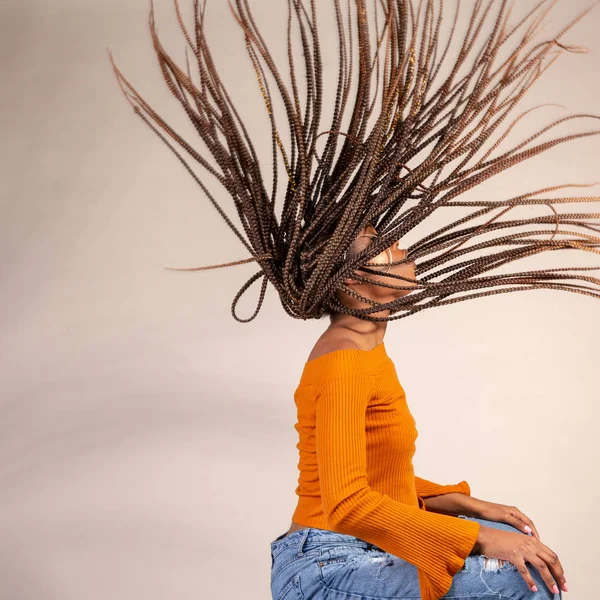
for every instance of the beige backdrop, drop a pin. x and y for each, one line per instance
(147, 448)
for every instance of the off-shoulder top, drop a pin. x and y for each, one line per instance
(356, 444)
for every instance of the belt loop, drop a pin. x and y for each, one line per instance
(302, 541)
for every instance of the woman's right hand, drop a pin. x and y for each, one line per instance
(517, 548)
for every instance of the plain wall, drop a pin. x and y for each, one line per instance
(147, 447)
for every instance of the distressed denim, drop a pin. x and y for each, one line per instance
(316, 564)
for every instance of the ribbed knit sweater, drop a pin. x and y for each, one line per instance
(357, 440)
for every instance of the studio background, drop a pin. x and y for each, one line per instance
(147, 447)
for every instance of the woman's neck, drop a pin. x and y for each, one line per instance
(368, 334)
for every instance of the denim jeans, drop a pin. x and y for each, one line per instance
(316, 564)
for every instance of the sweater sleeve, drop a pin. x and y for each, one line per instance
(436, 544)
(427, 488)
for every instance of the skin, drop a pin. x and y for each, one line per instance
(347, 331)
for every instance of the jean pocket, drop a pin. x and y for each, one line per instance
(285, 561)
(292, 591)
(330, 560)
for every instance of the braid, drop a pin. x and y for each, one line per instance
(428, 142)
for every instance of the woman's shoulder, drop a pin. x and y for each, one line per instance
(332, 344)
(336, 356)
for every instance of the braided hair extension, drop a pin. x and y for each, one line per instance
(429, 141)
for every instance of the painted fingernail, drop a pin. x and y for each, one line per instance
(527, 528)
(534, 588)
(555, 589)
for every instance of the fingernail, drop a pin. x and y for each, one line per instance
(555, 589)
(565, 587)
(527, 528)
(534, 588)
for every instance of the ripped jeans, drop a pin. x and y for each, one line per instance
(316, 564)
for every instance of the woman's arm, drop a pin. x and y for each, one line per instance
(446, 499)
(429, 488)
(453, 504)
(437, 544)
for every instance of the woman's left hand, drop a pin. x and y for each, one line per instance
(502, 513)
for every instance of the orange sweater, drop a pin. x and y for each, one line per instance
(357, 440)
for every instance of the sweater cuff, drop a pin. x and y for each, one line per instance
(464, 487)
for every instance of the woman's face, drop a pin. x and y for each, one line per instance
(391, 254)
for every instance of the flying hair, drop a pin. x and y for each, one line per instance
(431, 114)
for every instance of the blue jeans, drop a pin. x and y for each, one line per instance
(316, 564)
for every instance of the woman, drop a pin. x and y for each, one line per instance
(429, 122)
(357, 487)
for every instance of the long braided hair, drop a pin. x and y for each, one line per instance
(424, 129)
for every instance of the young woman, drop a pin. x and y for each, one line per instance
(432, 96)
(358, 493)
